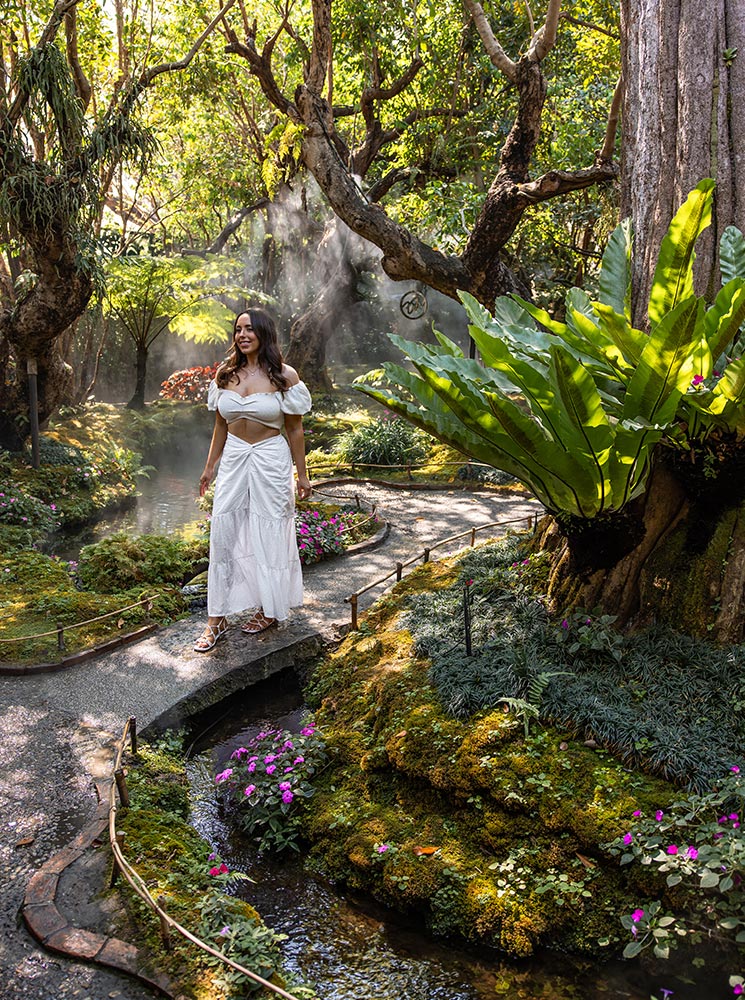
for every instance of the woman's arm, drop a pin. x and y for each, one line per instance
(219, 437)
(296, 441)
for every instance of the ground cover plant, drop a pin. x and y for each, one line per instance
(464, 788)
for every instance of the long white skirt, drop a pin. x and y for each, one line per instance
(254, 561)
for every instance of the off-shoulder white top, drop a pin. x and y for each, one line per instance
(268, 408)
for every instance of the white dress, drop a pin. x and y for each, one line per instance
(254, 560)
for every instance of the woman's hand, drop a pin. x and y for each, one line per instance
(304, 489)
(204, 481)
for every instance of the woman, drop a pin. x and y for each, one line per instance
(254, 561)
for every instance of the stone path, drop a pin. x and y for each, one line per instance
(58, 730)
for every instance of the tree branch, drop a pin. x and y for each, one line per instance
(556, 182)
(609, 143)
(148, 75)
(321, 50)
(494, 50)
(82, 84)
(235, 223)
(545, 38)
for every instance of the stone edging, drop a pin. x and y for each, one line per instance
(52, 929)
(371, 542)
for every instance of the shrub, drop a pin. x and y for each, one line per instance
(121, 561)
(269, 780)
(54, 452)
(190, 384)
(319, 536)
(386, 441)
(20, 508)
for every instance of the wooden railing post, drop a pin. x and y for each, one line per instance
(399, 570)
(119, 837)
(353, 603)
(165, 929)
(133, 734)
(60, 636)
(425, 556)
(121, 785)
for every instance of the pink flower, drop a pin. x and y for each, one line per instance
(658, 815)
(287, 796)
(250, 789)
(223, 775)
(564, 623)
(636, 916)
(739, 990)
(222, 870)
(284, 785)
(672, 849)
(697, 380)
(735, 769)
(271, 768)
(299, 760)
(692, 853)
(627, 838)
(637, 813)
(381, 848)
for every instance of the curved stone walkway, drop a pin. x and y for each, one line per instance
(59, 730)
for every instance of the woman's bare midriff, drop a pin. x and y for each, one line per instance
(251, 431)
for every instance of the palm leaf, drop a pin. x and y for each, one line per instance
(615, 273)
(732, 254)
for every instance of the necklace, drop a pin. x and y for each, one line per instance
(252, 371)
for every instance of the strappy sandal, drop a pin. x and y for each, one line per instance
(210, 635)
(259, 623)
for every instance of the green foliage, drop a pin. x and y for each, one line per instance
(576, 412)
(23, 510)
(698, 844)
(384, 441)
(122, 561)
(54, 452)
(632, 694)
(269, 781)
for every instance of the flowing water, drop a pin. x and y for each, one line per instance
(350, 948)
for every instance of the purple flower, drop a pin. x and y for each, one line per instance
(672, 849)
(735, 769)
(250, 789)
(223, 775)
(251, 766)
(287, 796)
(692, 853)
(627, 838)
(637, 813)
(658, 815)
(225, 931)
(270, 757)
(299, 760)
(271, 768)
(565, 623)
(284, 785)
(636, 916)
(382, 848)
(697, 380)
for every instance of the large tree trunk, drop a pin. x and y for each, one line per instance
(683, 110)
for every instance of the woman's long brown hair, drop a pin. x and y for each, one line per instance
(270, 356)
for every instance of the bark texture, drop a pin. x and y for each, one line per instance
(684, 105)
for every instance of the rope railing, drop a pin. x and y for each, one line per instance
(60, 629)
(123, 867)
(530, 522)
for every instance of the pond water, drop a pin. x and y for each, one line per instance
(349, 948)
(166, 504)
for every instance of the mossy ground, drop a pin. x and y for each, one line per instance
(494, 837)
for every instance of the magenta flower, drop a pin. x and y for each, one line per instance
(658, 815)
(382, 848)
(270, 757)
(238, 753)
(284, 785)
(636, 916)
(223, 775)
(222, 870)
(250, 789)
(672, 849)
(565, 623)
(271, 768)
(299, 760)
(735, 769)
(697, 380)
(733, 816)
(692, 853)
(627, 838)
(251, 766)
(637, 813)
(287, 796)
(739, 990)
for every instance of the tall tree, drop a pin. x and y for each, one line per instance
(58, 150)
(352, 133)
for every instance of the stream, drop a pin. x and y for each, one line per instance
(351, 948)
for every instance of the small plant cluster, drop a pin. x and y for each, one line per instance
(319, 536)
(632, 694)
(268, 781)
(385, 441)
(26, 511)
(123, 561)
(190, 384)
(698, 843)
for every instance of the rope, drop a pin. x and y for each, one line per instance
(137, 884)
(109, 614)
